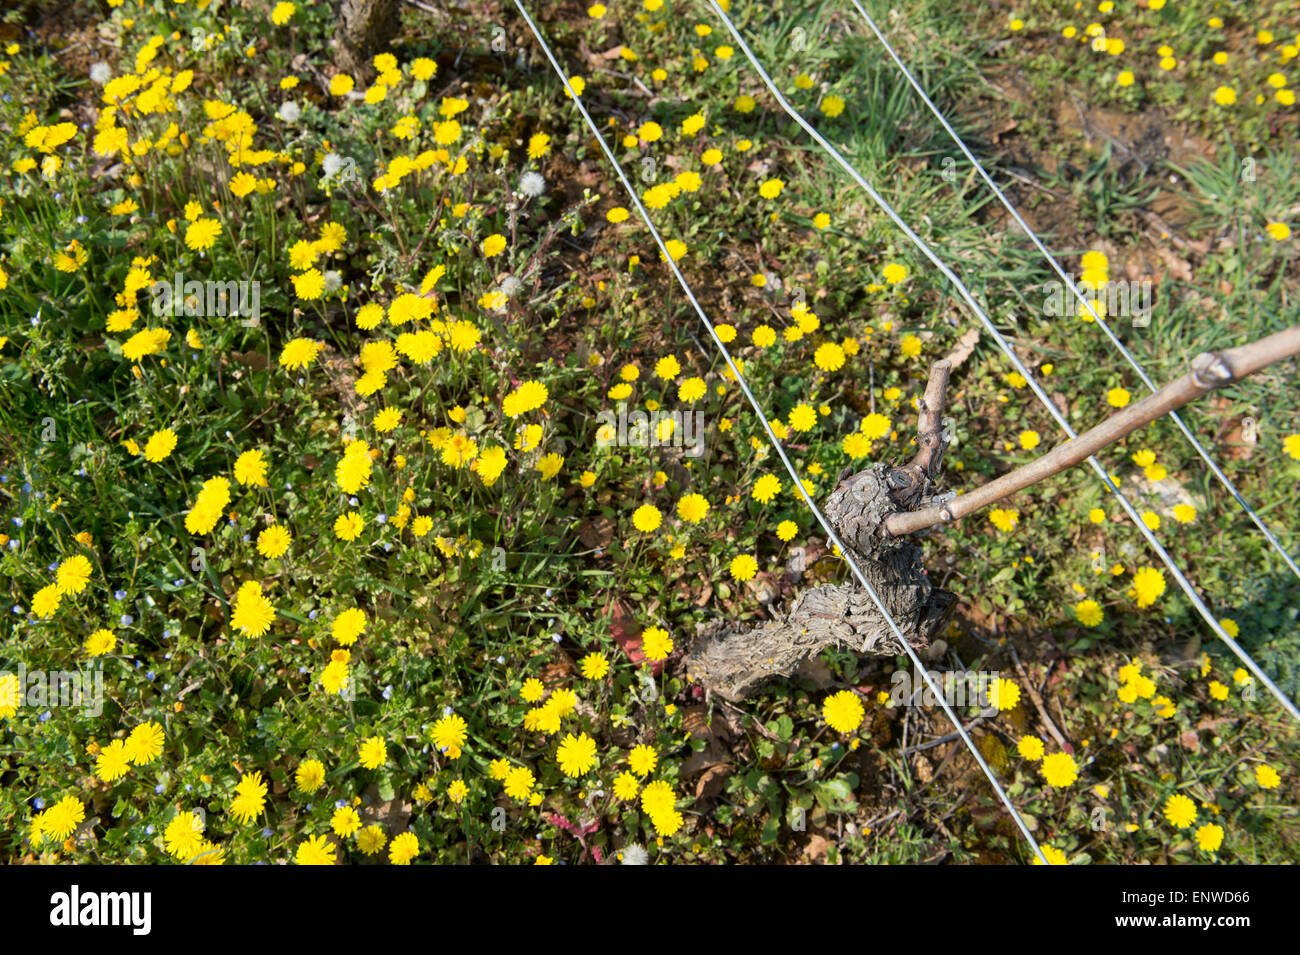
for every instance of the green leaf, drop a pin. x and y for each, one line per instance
(785, 728)
(836, 795)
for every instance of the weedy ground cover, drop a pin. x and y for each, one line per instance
(370, 575)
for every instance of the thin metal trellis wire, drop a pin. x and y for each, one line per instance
(845, 552)
(1019, 365)
(1083, 300)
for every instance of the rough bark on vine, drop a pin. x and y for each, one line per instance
(365, 27)
(733, 660)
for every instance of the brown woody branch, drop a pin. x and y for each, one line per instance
(929, 428)
(909, 483)
(1208, 370)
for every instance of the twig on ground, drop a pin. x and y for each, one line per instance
(944, 739)
(1038, 702)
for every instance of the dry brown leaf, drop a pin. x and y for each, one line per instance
(924, 771)
(714, 761)
(709, 785)
(393, 814)
(1177, 267)
(816, 849)
(597, 533)
(1236, 439)
(555, 674)
(251, 359)
(1003, 128)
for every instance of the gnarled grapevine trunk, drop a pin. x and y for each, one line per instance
(733, 661)
(365, 27)
(873, 509)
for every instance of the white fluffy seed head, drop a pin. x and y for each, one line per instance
(634, 854)
(532, 184)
